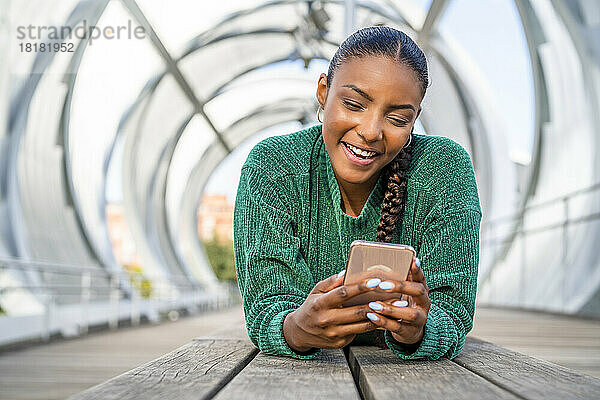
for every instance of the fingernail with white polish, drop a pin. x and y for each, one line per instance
(342, 273)
(375, 306)
(400, 303)
(418, 262)
(386, 285)
(372, 316)
(373, 282)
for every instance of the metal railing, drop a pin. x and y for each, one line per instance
(492, 239)
(99, 297)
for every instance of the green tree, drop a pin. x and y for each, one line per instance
(221, 258)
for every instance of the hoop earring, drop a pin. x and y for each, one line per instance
(319, 113)
(409, 141)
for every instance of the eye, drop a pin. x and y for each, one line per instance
(397, 121)
(352, 105)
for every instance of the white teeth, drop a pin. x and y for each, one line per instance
(359, 151)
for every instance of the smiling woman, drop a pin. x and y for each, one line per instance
(362, 174)
(368, 96)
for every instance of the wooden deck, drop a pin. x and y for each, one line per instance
(59, 369)
(571, 342)
(225, 369)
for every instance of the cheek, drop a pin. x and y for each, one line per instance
(399, 142)
(339, 120)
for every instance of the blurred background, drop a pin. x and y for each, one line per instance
(124, 124)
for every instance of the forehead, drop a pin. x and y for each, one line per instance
(380, 76)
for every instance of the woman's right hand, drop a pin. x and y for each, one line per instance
(322, 322)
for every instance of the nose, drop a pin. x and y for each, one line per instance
(371, 129)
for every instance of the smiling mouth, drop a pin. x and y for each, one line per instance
(360, 153)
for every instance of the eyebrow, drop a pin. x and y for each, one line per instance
(366, 96)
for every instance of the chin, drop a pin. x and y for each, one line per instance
(355, 177)
(351, 173)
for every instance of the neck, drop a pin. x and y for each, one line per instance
(355, 195)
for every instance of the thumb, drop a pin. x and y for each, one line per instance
(330, 283)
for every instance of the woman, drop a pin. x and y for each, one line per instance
(362, 174)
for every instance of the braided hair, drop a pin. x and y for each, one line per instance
(392, 43)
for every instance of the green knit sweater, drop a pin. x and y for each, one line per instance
(290, 232)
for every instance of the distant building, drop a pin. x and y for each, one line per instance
(215, 217)
(120, 236)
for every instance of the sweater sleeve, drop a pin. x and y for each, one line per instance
(449, 254)
(451, 274)
(273, 277)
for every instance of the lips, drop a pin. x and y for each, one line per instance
(361, 150)
(355, 159)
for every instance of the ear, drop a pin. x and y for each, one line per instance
(418, 113)
(417, 116)
(322, 90)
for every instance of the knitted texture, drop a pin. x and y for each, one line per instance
(290, 232)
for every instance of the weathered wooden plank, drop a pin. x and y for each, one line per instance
(383, 375)
(526, 376)
(194, 371)
(273, 377)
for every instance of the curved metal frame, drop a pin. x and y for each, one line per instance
(159, 233)
(196, 44)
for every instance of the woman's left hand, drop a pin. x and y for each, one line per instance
(407, 322)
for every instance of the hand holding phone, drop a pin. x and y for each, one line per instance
(386, 261)
(322, 321)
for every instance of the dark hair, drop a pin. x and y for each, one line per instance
(387, 42)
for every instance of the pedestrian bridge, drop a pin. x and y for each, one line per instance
(147, 121)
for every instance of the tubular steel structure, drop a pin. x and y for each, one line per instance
(541, 226)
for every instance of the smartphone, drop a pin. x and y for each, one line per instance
(385, 261)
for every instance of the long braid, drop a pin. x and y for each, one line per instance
(395, 194)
